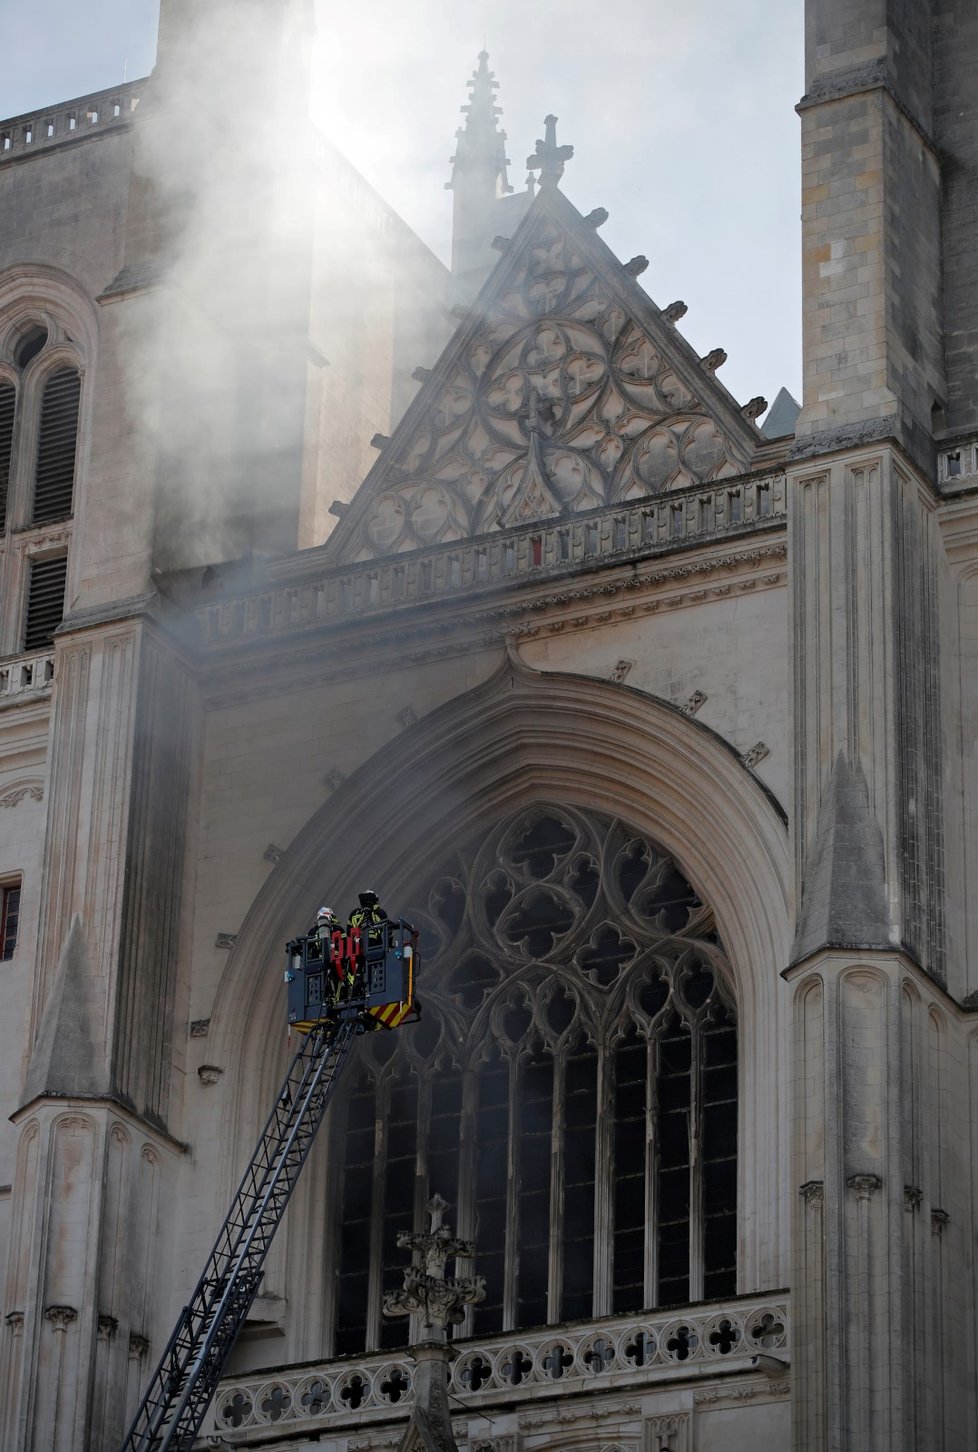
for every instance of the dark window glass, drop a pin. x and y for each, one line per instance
(30, 345)
(572, 1011)
(8, 397)
(45, 602)
(9, 920)
(54, 478)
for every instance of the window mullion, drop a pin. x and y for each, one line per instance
(557, 1183)
(651, 1156)
(512, 1199)
(467, 1178)
(375, 1286)
(603, 1186)
(335, 1134)
(420, 1216)
(696, 1219)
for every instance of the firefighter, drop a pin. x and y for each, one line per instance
(326, 923)
(369, 911)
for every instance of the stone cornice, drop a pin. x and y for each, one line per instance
(460, 626)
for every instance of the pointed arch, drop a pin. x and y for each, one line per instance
(526, 736)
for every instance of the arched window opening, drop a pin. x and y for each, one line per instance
(30, 344)
(54, 477)
(572, 1089)
(8, 399)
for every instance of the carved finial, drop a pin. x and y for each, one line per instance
(597, 218)
(675, 311)
(636, 266)
(531, 184)
(714, 360)
(754, 408)
(549, 158)
(441, 1300)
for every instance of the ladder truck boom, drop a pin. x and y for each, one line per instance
(340, 984)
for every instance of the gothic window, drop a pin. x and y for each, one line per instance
(57, 437)
(571, 1089)
(8, 399)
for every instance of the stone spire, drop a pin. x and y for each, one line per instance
(439, 1301)
(479, 176)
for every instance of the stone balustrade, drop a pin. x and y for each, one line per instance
(626, 1354)
(68, 121)
(26, 676)
(543, 551)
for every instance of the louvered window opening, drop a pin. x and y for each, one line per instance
(571, 1090)
(9, 919)
(45, 602)
(8, 398)
(54, 478)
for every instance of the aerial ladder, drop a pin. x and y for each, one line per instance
(341, 983)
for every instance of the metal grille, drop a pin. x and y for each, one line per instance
(191, 1365)
(45, 602)
(8, 397)
(54, 480)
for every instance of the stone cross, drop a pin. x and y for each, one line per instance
(440, 1300)
(549, 158)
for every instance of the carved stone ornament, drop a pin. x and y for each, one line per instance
(566, 1415)
(407, 716)
(565, 395)
(439, 1299)
(273, 854)
(225, 940)
(669, 1433)
(912, 1197)
(939, 1219)
(199, 1027)
(864, 1187)
(138, 1346)
(15, 1320)
(755, 755)
(812, 1192)
(334, 779)
(209, 1074)
(60, 1317)
(17, 794)
(107, 1327)
(621, 669)
(694, 702)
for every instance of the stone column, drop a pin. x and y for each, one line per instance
(95, 1162)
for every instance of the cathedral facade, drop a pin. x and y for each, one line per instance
(324, 567)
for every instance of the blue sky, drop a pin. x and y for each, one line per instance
(682, 118)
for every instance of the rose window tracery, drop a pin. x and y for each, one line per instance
(571, 1089)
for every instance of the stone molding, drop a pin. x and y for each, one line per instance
(644, 1351)
(60, 1317)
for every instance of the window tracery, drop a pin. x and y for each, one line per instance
(572, 1087)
